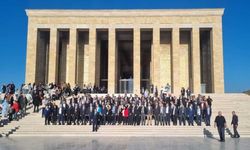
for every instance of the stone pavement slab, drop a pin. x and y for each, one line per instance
(122, 143)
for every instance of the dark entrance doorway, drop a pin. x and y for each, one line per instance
(125, 61)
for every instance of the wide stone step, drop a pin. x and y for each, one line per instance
(112, 128)
(124, 131)
(128, 130)
(104, 135)
(90, 134)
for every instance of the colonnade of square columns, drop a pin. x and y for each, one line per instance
(217, 62)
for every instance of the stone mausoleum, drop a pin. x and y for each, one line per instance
(127, 50)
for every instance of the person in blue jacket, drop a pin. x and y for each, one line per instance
(190, 115)
(5, 108)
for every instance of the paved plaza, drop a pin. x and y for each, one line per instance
(121, 143)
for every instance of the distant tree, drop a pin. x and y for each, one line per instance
(247, 92)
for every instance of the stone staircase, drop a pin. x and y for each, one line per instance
(33, 124)
(8, 128)
(240, 103)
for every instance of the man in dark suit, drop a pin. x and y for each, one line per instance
(157, 114)
(36, 101)
(182, 115)
(188, 91)
(234, 123)
(220, 123)
(70, 114)
(96, 120)
(162, 114)
(149, 114)
(168, 114)
(182, 91)
(4, 88)
(174, 111)
(130, 116)
(135, 114)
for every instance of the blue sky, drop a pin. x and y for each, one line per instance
(236, 35)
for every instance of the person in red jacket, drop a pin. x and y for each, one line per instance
(125, 115)
(15, 109)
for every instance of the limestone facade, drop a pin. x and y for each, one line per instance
(176, 49)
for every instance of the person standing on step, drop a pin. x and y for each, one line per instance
(220, 123)
(22, 100)
(198, 115)
(208, 114)
(143, 112)
(82, 111)
(234, 123)
(134, 113)
(61, 117)
(130, 116)
(190, 115)
(174, 111)
(189, 92)
(168, 114)
(36, 101)
(103, 112)
(4, 89)
(54, 112)
(149, 114)
(157, 114)
(182, 115)
(125, 115)
(47, 113)
(15, 109)
(162, 114)
(182, 91)
(95, 120)
(114, 113)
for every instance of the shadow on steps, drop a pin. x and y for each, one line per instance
(208, 134)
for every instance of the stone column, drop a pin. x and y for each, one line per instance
(112, 56)
(53, 52)
(175, 60)
(31, 55)
(156, 57)
(71, 58)
(217, 60)
(92, 55)
(196, 74)
(137, 60)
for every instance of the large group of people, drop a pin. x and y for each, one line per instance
(64, 105)
(147, 109)
(14, 101)
(13, 106)
(129, 110)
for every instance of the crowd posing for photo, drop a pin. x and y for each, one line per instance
(63, 105)
(162, 109)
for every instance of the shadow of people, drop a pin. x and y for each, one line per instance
(208, 134)
(229, 132)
